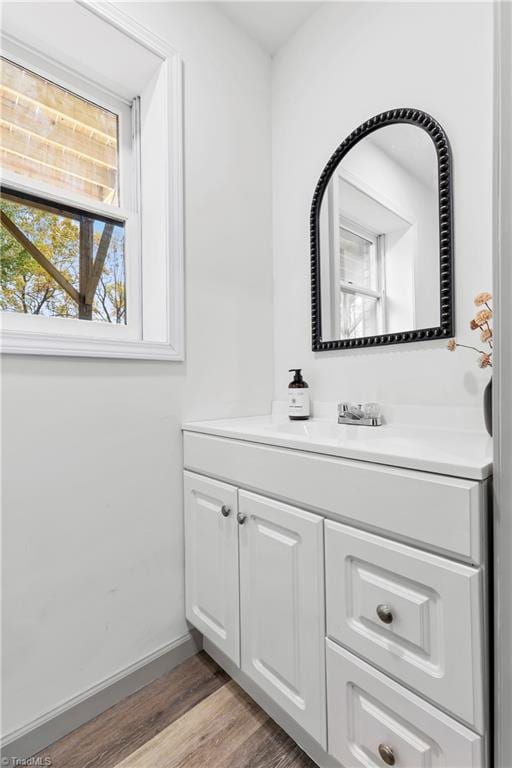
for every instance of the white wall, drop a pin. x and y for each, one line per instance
(348, 62)
(93, 537)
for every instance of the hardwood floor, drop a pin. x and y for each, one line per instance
(193, 717)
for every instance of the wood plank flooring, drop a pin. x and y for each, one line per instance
(193, 717)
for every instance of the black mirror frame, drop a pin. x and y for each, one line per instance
(446, 271)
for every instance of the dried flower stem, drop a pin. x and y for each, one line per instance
(480, 322)
(467, 346)
(489, 341)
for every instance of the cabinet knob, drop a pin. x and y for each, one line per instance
(241, 518)
(385, 614)
(387, 754)
(225, 510)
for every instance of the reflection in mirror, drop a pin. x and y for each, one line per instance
(379, 237)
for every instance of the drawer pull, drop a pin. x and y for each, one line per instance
(241, 518)
(387, 754)
(385, 614)
(225, 510)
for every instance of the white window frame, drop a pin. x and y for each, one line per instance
(379, 254)
(127, 213)
(151, 192)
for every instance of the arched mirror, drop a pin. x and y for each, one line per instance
(381, 236)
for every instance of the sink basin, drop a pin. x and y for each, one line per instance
(458, 452)
(319, 430)
(307, 429)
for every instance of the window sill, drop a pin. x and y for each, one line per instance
(20, 343)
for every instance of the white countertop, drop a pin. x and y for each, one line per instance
(447, 451)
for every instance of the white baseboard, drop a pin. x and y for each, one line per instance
(35, 736)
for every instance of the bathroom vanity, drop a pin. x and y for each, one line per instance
(340, 575)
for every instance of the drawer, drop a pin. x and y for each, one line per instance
(373, 722)
(444, 514)
(415, 615)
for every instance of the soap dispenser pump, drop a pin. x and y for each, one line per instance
(298, 397)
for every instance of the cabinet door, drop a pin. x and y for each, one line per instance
(211, 562)
(282, 607)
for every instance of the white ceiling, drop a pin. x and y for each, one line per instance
(269, 23)
(412, 148)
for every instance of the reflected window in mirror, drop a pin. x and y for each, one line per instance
(361, 309)
(381, 250)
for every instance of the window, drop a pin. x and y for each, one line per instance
(58, 262)
(54, 136)
(360, 270)
(91, 187)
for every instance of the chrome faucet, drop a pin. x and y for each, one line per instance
(364, 414)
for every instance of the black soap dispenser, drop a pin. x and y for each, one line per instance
(298, 397)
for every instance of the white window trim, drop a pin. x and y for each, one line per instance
(378, 242)
(128, 214)
(55, 336)
(373, 238)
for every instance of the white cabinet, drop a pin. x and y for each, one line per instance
(347, 598)
(244, 550)
(374, 722)
(415, 615)
(282, 607)
(211, 562)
